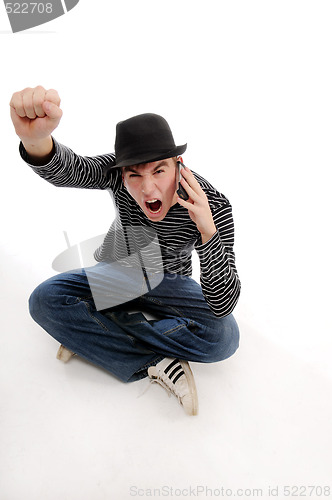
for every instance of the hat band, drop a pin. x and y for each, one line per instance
(143, 152)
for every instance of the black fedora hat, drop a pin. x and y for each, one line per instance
(144, 138)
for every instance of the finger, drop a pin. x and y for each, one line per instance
(53, 96)
(185, 203)
(27, 98)
(17, 120)
(38, 99)
(190, 178)
(52, 110)
(191, 192)
(16, 104)
(191, 207)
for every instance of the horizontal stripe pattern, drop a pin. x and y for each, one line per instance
(177, 234)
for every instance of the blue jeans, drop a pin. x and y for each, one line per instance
(125, 343)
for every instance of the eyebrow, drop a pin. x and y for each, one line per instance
(136, 169)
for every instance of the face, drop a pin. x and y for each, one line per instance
(153, 186)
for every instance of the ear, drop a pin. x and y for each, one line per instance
(123, 177)
(180, 159)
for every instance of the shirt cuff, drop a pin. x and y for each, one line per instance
(25, 156)
(208, 244)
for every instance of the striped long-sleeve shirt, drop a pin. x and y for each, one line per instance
(177, 234)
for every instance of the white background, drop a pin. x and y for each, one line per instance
(248, 86)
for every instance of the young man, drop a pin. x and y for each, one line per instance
(144, 263)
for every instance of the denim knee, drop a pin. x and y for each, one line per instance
(233, 338)
(40, 301)
(36, 302)
(226, 337)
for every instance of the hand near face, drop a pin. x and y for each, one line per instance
(197, 205)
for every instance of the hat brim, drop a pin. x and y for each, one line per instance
(150, 157)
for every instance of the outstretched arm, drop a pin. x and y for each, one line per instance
(35, 113)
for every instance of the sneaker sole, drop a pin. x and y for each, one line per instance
(192, 386)
(64, 354)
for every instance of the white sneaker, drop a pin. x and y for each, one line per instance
(64, 354)
(177, 378)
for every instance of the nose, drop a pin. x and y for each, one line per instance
(147, 185)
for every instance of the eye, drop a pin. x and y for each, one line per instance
(159, 171)
(133, 175)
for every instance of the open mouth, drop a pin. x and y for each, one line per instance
(154, 206)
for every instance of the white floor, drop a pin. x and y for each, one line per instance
(72, 431)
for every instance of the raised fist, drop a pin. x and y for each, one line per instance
(35, 113)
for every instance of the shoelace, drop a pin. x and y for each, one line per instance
(167, 378)
(167, 383)
(159, 380)
(153, 380)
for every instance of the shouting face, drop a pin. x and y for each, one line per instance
(153, 186)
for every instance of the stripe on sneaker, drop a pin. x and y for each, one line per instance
(176, 365)
(178, 376)
(168, 368)
(173, 372)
